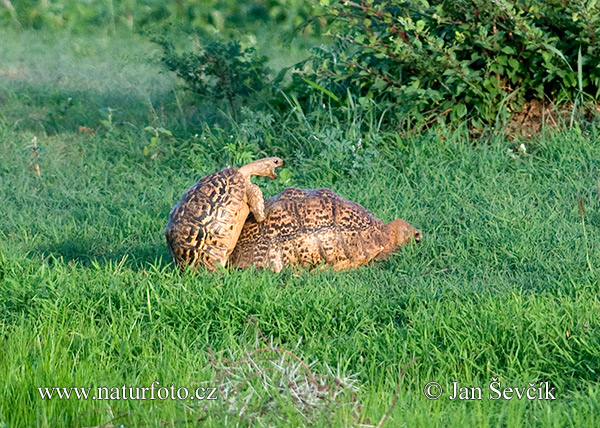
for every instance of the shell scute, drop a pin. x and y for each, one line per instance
(308, 228)
(201, 225)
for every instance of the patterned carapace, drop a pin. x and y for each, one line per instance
(314, 227)
(205, 224)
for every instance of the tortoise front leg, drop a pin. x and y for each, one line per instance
(256, 202)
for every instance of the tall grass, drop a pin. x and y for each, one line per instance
(503, 285)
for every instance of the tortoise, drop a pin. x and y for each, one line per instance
(206, 223)
(312, 227)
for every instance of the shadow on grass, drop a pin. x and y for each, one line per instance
(88, 254)
(36, 107)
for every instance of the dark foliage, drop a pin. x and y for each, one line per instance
(463, 59)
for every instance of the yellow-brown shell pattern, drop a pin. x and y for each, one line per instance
(309, 228)
(204, 225)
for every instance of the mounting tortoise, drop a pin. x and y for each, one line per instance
(313, 227)
(205, 224)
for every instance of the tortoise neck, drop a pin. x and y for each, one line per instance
(253, 168)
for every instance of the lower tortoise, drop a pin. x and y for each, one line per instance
(314, 227)
(205, 224)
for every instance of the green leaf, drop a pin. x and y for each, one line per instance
(514, 63)
(285, 175)
(557, 52)
(364, 101)
(580, 70)
(322, 89)
(460, 110)
(379, 84)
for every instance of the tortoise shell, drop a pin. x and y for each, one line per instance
(205, 224)
(313, 227)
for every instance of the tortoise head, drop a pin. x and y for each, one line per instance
(263, 167)
(401, 233)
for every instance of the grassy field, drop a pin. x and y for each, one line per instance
(504, 285)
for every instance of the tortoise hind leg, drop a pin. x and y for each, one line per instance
(256, 202)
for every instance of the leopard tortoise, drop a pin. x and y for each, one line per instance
(205, 224)
(313, 227)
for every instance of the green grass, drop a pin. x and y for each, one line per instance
(505, 283)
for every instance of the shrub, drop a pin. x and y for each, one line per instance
(462, 59)
(218, 72)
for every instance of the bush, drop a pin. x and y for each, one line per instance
(218, 72)
(464, 59)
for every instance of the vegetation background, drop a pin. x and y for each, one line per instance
(474, 121)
